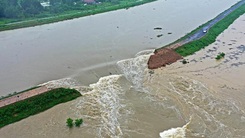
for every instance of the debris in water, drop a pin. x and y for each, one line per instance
(160, 35)
(158, 28)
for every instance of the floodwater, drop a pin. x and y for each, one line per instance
(202, 99)
(88, 48)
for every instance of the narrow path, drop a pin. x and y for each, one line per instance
(23, 96)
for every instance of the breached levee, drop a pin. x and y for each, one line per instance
(152, 103)
(163, 57)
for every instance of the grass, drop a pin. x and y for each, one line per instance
(210, 37)
(4, 23)
(17, 111)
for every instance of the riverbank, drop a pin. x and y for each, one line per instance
(71, 15)
(197, 39)
(15, 97)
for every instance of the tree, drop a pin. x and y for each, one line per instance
(69, 122)
(12, 12)
(78, 122)
(31, 7)
(54, 2)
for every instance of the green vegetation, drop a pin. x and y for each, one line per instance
(15, 93)
(78, 122)
(69, 122)
(210, 37)
(184, 61)
(36, 104)
(25, 13)
(220, 55)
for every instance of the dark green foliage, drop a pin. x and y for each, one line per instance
(58, 11)
(210, 37)
(78, 122)
(20, 8)
(69, 122)
(31, 106)
(219, 56)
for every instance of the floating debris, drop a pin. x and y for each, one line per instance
(160, 35)
(158, 28)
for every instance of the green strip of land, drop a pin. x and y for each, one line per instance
(49, 16)
(36, 104)
(210, 37)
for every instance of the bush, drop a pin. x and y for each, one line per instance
(78, 122)
(219, 56)
(69, 122)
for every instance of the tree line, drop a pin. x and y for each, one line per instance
(31, 8)
(19, 8)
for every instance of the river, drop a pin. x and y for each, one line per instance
(87, 48)
(122, 98)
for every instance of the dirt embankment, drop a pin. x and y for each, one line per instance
(23, 96)
(162, 58)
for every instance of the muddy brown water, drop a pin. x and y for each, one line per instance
(88, 48)
(194, 100)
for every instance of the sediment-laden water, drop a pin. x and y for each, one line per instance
(203, 98)
(138, 103)
(88, 48)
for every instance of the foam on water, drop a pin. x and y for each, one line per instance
(65, 83)
(216, 117)
(134, 69)
(103, 105)
(178, 132)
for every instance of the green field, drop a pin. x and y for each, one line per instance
(34, 105)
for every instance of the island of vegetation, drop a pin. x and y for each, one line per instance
(26, 13)
(197, 39)
(36, 104)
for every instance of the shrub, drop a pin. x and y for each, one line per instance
(78, 122)
(69, 122)
(219, 56)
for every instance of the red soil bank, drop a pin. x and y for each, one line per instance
(23, 96)
(162, 58)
